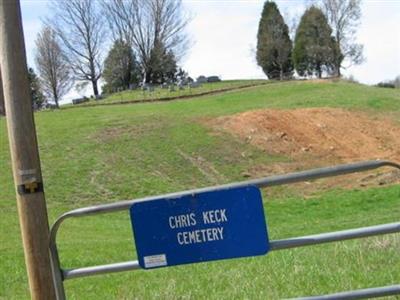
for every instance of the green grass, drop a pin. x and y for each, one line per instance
(109, 153)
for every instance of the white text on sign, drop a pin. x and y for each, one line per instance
(216, 216)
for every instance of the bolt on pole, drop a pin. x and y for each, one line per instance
(24, 152)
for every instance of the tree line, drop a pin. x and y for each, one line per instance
(323, 42)
(147, 38)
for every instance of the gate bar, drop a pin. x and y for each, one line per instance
(96, 270)
(260, 182)
(359, 294)
(274, 245)
(335, 236)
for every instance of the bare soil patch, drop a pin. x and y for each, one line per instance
(316, 137)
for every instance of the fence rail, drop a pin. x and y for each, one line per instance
(60, 275)
(389, 290)
(274, 245)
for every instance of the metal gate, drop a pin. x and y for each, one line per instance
(60, 274)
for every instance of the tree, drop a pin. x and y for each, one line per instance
(2, 107)
(36, 93)
(274, 47)
(344, 17)
(37, 96)
(147, 24)
(314, 49)
(52, 65)
(120, 66)
(182, 76)
(162, 65)
(80, 26)
(170, 66)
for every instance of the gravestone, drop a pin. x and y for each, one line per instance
(201, 79)
(213, 79)
(79, 100)
(194, 85)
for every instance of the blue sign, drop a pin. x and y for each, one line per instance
(200, 227)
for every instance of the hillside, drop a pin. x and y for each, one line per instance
(107, 153)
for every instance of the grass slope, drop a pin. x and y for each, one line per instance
(104, 154)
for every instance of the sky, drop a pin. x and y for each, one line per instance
(223, 37)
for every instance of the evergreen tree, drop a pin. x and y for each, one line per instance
(274, 47)
(182, 76)
(155, 65)
(315, 50)
(36, 93)
(162, 64)
(120, 67)
(170, 66)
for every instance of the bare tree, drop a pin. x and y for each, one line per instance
(52, 64)
(147, 23)
(344, 17)
(2, 107)
(80, 26)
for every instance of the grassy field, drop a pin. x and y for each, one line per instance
(139, 95)
(109, 153)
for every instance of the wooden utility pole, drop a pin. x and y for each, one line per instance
(24, 152)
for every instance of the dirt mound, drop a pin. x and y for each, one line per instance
(323, 132)
(314, 137)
